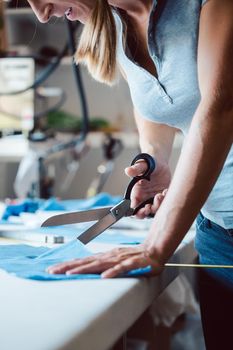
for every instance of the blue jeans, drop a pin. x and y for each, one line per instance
(215, 246)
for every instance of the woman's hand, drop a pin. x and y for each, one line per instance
(110, 264)
(156, 187)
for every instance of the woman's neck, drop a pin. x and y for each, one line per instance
(134, 8)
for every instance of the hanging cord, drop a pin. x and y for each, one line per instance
(84, 108)
(79, 143)
(78, 79)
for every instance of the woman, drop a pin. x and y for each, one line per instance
(177, 59)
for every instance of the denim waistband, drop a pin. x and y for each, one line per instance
(210, 224)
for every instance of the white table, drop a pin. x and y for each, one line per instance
(71, 315)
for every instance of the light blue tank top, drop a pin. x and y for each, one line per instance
(173, 97)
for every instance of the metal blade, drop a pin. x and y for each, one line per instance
(76, 217)
(96, 229)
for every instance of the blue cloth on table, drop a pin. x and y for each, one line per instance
(116, 237)
(52, 204)
(31, 206)
(31, 262)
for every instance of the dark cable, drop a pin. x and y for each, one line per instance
(54, 107)
(85, 115)
(79, 82)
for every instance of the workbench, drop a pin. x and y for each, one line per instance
(79, 314)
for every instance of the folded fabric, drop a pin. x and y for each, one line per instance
(52, 204)
(30, 262)
(15, 209)
(31, 206)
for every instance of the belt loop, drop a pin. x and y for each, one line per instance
(208, 223)
(230, 232)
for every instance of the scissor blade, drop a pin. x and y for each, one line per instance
(76, 217)
(96, 229)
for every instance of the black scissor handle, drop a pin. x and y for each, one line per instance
(151, 164)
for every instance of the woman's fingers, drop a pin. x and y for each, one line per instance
(125, 266)
(158, 198)
(92, 267)
(94, 264)
(151, 209)
(110, 264)
(134, 263)
(144, 212)
(69, 265)
(138, 168)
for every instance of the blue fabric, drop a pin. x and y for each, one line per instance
(173, 95)
(215, 247)
(27, 206)
(31, 262)
(116, 237)
(32, 205)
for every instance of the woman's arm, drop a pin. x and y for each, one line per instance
(154, 138)
(210, 136)
(157, 140)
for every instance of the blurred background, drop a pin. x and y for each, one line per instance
(57, 110)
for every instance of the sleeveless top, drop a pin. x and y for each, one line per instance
(172, 98)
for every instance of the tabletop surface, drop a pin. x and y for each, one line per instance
(80, 314)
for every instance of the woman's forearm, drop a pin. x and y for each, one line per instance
(155, 139)
(203, 155)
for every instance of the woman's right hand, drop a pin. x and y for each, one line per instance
(155, 188)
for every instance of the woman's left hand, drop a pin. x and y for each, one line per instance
(110, 264)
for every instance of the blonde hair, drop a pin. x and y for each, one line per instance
(97, 44)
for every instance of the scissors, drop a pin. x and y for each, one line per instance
(106, 216)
